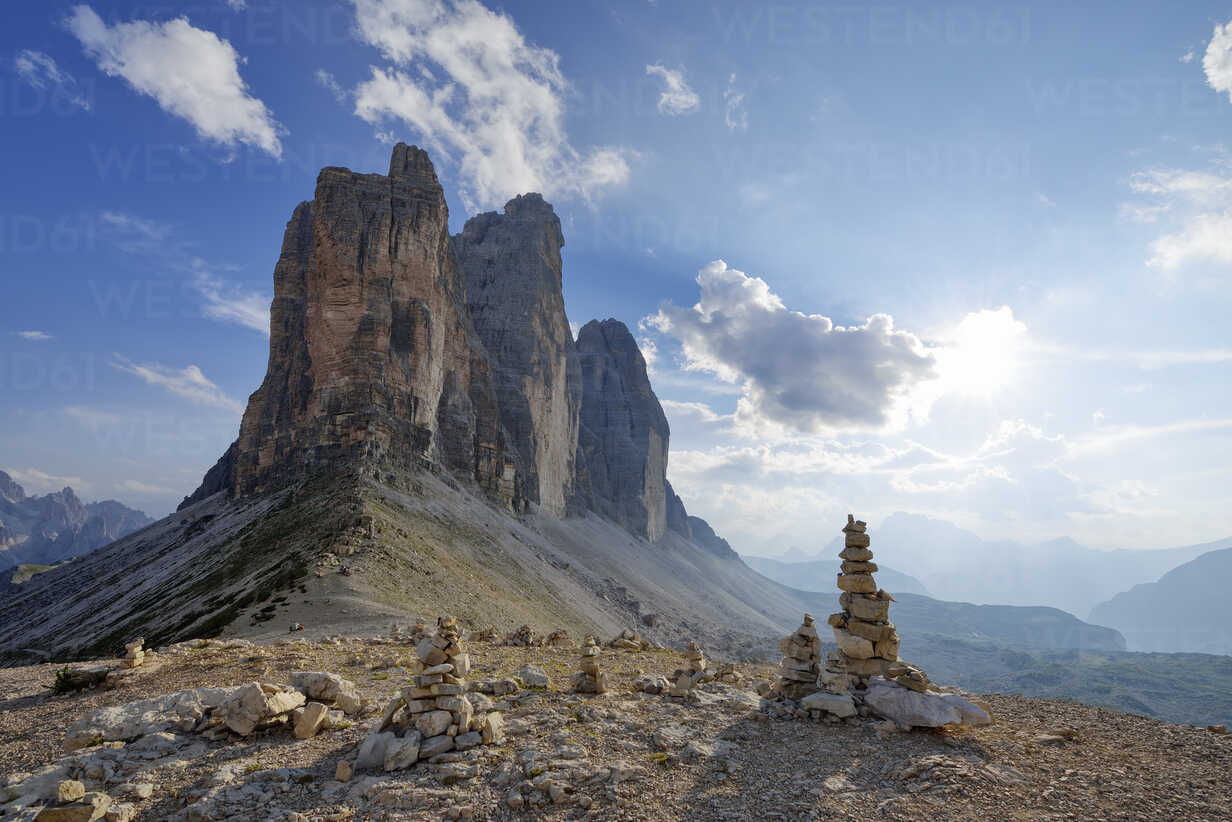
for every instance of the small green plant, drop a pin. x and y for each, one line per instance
(659, 758)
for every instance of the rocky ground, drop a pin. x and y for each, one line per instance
(621, 755)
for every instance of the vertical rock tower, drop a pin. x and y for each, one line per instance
(512, 267)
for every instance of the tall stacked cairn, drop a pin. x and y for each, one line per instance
(590, 679)
(867, 641)
(432, 712)
(801, 661)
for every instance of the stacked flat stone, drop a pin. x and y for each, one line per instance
(134, 654)
(433, 712)
(801, 661)
(590, 679)
(867, 641)
(691, 675)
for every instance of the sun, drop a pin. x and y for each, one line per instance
(981, 355)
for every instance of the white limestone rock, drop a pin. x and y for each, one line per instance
(180, 711)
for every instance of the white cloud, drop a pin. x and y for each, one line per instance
(237, 5)
(1199, 204)
(735, 116)
(796, 370)
(38, 482)
(466, 81)
(221, 299)
(228, 302)
(1204, 238)
(188, 383)
(1187, 57)
(1217, 62)
(40, 71)
(676, 98)
(34, 336)
(192, 73)
(328, 82)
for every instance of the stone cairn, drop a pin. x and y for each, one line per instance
(630, 640)
(524, 637)
(801, 661)
(867, 641)
(691, 675)
(590, 679)
(433, 711)
(134, 654)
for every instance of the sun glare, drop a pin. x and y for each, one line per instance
(980, 356)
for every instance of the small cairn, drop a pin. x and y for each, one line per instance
(590, 679)
(867, 641)
(801, 661)
(524, 637)
(134, 654)
(685, 679)
(557, 639)
(488, 634)
(433, 711)
(629, 640)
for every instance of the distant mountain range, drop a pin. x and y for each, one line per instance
(1187, 610)
(956, 565)
(45, 530)
(819, 575)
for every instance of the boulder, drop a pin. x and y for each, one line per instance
(927, 709)
(329, 688)
(90, 809)
(311, 720)
(180, 711)
(840, 705)
(372, 750)
(255, 704)
(402, 753)
(534, 677)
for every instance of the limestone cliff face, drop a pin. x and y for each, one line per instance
(372, 351)
(394, 346)
(624, 434)
(512, 268)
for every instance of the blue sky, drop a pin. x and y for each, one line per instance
(1038, 195)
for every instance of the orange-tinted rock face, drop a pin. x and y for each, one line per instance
(372, 351)
(394, 347)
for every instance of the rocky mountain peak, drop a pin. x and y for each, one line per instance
(10, 490)
(624, 433)
(412, 164)
(394, 347)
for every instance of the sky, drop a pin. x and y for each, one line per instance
(971, 261)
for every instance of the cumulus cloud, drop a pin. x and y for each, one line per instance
(1217, 62)
(676, 98)
(465, 80)
(34, 336)
(40, 71)
(192, 73)
(1194, 207)
(797, 370)
(735, 116)
(188, 382)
